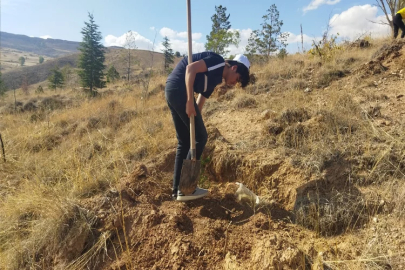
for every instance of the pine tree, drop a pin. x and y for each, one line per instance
(270, 39)
(168, 53)
(55, 79)
(21, 60)
(39, 90)
(41, 59)
(220, 36)
(91, 61)
(253, 43)
(3, 88)
(112, 74)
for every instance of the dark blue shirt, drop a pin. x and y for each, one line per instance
(204, 83)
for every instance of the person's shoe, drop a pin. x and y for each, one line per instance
(174, 194)
(198, 193)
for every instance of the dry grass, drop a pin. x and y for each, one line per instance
(63, 149)
(70, 153)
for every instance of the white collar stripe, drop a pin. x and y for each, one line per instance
(216, 66)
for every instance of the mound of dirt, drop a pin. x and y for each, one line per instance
(213, 233)
(150, 231)
(381, 59)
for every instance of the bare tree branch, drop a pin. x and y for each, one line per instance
(390, 8)
(380, 22)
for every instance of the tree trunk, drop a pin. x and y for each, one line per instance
(390, 7)
(15, 102)
(129, 63)
(2, 147)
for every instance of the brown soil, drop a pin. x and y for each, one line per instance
(147, 230)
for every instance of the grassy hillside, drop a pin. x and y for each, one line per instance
(46, 47)
(142, 61)
(9, 59)
(86, 182)
(13, 79)
(59, 53)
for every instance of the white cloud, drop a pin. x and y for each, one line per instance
(171, 34)
(244, 35)
(140, 41)
(145, 44)
(178, 41)
(350, 25)
(194, 36)
(167, 32)
(181, 46)
(294, 42)
(293, 38)
(45, 37)
(317, 3)
(152, 28)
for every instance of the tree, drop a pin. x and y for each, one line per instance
(67, 73)
(177, 54)
(3, 87)
(270, 39)
(221, 36)
(39, 90)
(91, 60)
(21, 60)
(41, 59)
(282, 53)
(390, 8)
(129, 45)
(168, 53)
(112, 74)
(55, 79)
(25, 87)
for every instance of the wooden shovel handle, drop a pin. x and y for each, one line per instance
(190, 60)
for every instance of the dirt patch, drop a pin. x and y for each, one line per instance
(381, 59)
(211, 233)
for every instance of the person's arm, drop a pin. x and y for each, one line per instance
(191, 71)
(200, 102)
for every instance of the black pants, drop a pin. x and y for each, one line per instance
(398, 23)
(176, 97)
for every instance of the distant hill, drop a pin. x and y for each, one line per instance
(46, 47)
(115, 56)
(35, 74)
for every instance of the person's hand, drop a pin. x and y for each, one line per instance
(190, 109)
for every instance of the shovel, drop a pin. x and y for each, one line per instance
(190, 171)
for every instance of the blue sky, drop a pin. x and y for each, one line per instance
(153, 19)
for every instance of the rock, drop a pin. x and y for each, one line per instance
(307, 90)
(265, 114)
(113, 193)
(375, 219)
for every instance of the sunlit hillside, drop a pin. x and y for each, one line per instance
(85, 183)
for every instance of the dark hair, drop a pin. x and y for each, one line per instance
(242, 70)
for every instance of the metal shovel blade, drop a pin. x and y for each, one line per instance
(190, 173)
